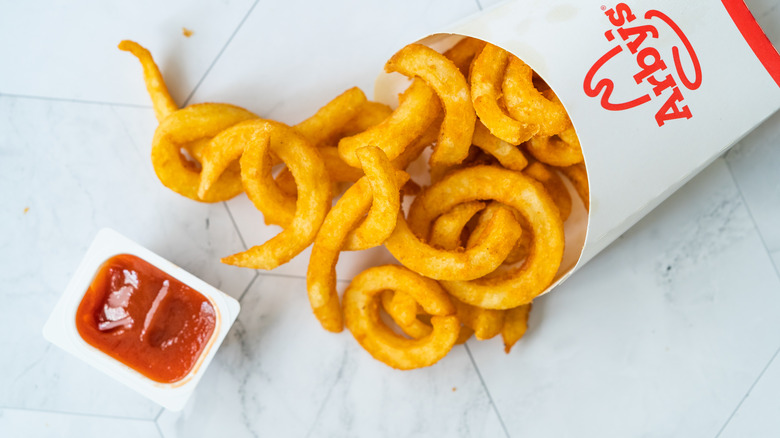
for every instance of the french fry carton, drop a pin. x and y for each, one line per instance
(655, 90)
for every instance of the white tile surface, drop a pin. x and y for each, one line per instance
(41, 424)
(664, 334)
(250, 224)
(757, 414)
(767, 14)
(279, 373)
(293, 89)
(755, 164)
(77, 168)
(776, 258)
(276, 62)
(78, 39)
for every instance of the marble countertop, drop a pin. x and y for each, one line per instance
(673, 330)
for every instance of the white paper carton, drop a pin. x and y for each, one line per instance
(656, 91)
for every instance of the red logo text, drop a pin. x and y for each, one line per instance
(639, 38)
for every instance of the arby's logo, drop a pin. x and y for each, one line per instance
(659, 78)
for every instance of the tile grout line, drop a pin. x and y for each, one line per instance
(159, 430)
(274, 274)
(77, 414)
(325, 401)
(221, 51)
(479, 5)
(752, 218)
(777, 273)
(747, 394)
(79, 101)
(243, 244)
(290, 276)
(487, 391)
(235, 225)
(192, 93)
(248, 286)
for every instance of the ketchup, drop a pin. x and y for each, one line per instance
(146, 319)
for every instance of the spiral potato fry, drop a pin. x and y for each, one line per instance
(362, 197)
(417, 110)
(562, 149)
(579, 178)
(479, 243)
(416, 60)
(507, 154)
(519, 285)
(188, 125)
(487, 72)
(155, 85)
(403, 309)
(262, 137)
(186, 129)
(515, 325)
(361, 316)
(554, 186)
(488, 252)
(446, 233)
(526, 104)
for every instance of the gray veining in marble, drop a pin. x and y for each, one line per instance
(672, 331)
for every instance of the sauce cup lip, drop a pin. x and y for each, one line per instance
(60, 328)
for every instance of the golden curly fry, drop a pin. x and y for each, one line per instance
(516, 286)
(195, 124)
(488, 252)
(325, 123)
(488, 203)
(338, 171)
(361, 316)
(332, 118)
(487, 72)
(519, 251)
(262, 137)
(462, 53)
(446, 233)
(554, 186)
(413, 150)
(447, 230)
(515, 325)
(385, 192)
(507, 154)
(369, 115)
(465, 334)
(401, 306)
(417, 60)
(418, 108)
(155, 85)
(486, 323)
(523, 245)
(188, 132)
(398, 306)
(579, 179)
(403, 309)
(526, 104)
(560, 150)
(332, 236)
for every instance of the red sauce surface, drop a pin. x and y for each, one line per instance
(146, 319)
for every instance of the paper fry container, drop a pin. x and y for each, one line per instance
(655, 90)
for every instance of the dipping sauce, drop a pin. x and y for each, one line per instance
(146, 319)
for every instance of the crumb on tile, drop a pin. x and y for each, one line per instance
(26, 209)
(454, 389)
(186, 32)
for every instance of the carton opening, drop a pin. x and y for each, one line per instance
(572, 177)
